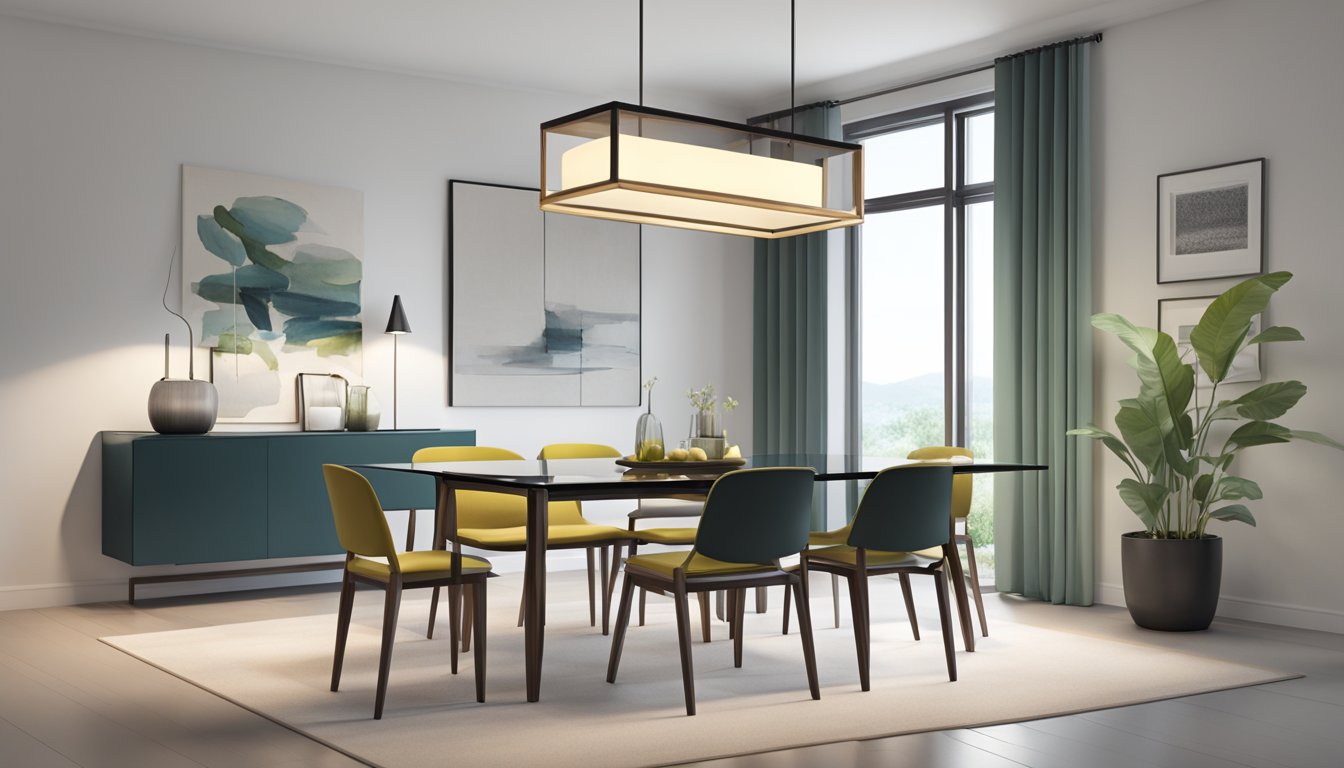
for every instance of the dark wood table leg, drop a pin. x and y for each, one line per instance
(534, 588)
(959, 591)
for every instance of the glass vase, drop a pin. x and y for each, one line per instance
(648, 438)
(362, 412)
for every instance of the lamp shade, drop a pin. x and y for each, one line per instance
(649, 166)
(396, 322)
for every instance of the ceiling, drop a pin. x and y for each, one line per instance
(724, 52)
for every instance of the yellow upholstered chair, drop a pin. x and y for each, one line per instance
(752, 518)
(498, 521)
(610, 562)
(961, 510)
(363, 532)
(904, 510)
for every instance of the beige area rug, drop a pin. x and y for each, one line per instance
(281, 669)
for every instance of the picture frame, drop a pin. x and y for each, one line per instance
(1211, 222)
(1175, 317)
(545, 308)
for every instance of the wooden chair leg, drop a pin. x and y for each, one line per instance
(945, 618)
(858, 603)
(410, 530)
(684, 642)
(615, 568)
(618, 632)
(476, 596)
(835, 598)
(522, 604)
(454, 624)
(909, 604)
(762, 601)
(433, 612)
(592, 589)
(788, 596)
(342, 626)
(732, 613)
(469, 598)
(738, 619)
(805, 631)
(975, 586)
(704, 615)
(602, 588)
(390, 608)
(643, 595)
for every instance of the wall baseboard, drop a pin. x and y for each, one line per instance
(1247, 609)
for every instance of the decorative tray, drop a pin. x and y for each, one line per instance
(708, 465)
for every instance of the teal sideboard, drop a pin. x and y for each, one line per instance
(230, 496)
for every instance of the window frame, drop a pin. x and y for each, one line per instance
(954, 195)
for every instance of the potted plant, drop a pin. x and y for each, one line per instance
(1169, 439)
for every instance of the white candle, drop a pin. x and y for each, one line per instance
(324, 418)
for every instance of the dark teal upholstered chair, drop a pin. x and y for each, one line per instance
(904, 510)
(752, 518)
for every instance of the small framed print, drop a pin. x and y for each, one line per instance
(1211, 222)
(1177, 317)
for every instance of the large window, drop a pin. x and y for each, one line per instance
(922, 290)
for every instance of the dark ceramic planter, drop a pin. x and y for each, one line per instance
(1171, 584)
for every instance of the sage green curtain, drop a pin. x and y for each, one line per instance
(1043, 545)
(789, 376)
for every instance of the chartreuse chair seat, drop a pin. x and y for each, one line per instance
(498, 521)
(752, 518)
(903, 510)
(372, 558)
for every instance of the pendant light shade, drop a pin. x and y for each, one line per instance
(650, 166)
(396, 321)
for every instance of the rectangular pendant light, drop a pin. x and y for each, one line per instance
(650, 166)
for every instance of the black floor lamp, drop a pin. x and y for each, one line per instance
(396, 325)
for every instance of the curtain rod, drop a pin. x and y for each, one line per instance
(1092, 38)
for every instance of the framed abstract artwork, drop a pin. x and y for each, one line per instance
(1211, 222)
(545, 308)
(1177, 317)
(271, 276)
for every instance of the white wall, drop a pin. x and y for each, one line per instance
(1217, 82)
(93, 127)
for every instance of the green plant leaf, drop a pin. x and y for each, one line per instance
(1270, 401)
(1258, 433)
(1217, 462)
(1202, 484)
(1226, 409)
(1110, 441)
(1163, 378)
(1142, 434)
(1237, 512)
(1276, 333)
(1218, 336)
(1145, 499)
(1233, 487)
(1315, 437)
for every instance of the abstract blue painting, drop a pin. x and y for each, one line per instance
(271, 282)
(545, 307)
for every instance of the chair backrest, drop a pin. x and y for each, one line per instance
(360, 524)
(578, 451)
(961, 484)
(904, 509)
(571, 512)
(757, 515)
(483, 509)
(479, 509)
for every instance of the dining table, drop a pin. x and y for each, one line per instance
(543, 481)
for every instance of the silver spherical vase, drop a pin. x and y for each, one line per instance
(183, 406)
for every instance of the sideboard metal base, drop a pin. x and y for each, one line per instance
(270, 570)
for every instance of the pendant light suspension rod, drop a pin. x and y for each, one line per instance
(641, 53)
(793, 65)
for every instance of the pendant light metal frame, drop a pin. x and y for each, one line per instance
(604, 121)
